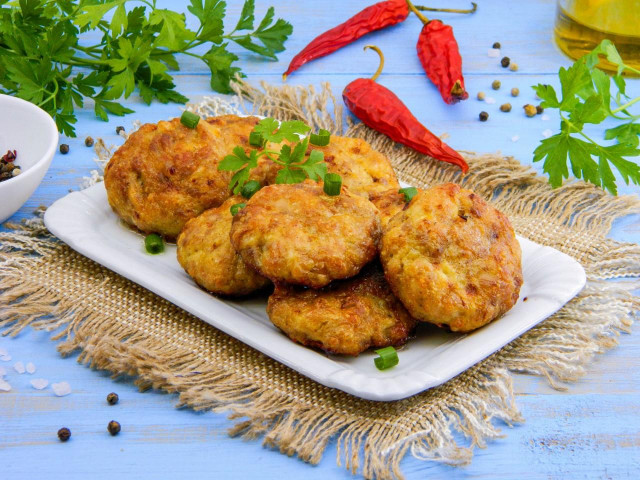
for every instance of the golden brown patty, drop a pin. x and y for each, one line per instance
(452, 259)
(389, 203)
(206, 254)
(364, 171)
(346, 317)
(300, 235)
(166, 173)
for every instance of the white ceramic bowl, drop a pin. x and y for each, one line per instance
(33, 134)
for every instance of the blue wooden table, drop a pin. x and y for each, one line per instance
(590, 431)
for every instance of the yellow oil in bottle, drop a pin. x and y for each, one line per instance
(582, 24)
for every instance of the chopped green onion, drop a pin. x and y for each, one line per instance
(236, 208)
(256, 139)
(154, 244)
(408, 193)
(251, 187)
(320, 139)
(189, 119)
(388, 358)
(332, 184)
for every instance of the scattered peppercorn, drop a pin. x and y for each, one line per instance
(529, 110)
(515, 92)
(505, 62)
(496, 45)
(64, 434)
(88, 142)
(496, 85)
(483, 116)
(113, 427)
(539, 109)
(64, 148)
(505, 107)
(112, 398)
(119, 129)
(480, 96)
(513, 67)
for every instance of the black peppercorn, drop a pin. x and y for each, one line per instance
(112, 398)
(88, 142)
(483, 116)
(119, 129)
(113, 428)
(496, 45)
(505, 62)
(539, 109)
(64, 434)
(64, 148)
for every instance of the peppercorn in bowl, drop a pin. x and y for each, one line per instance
(33, 135)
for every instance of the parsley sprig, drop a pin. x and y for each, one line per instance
(587, 99)
(44, 58)
(296, 164)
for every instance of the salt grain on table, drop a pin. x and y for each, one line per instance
(39, 383)
(490, 100)
(493, 53)
(515, 138)
(19, 367)
(547, 133)
(61, 389)
(545, 117)
(31, 368)
(4, 386)
(5, 358)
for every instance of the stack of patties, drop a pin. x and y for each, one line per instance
(350, 271)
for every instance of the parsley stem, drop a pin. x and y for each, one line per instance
(52, 96)
(626, 105)
(575, 129)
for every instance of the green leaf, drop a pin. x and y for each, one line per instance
(246, 17)
(246, 41)
(92, 14)
(211, 14)
(274, 131)
(627, 133)
(575, 81)
(314, 167)
(299, 151)
(173, 32)
(119, 21)
(591, 111)
(273, 37)
(548, 95)
(220, 63)
(233, 162)
(289, 175)
(554, 151)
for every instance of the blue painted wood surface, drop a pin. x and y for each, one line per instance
(590, 431)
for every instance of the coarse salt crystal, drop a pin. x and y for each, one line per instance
(490, 100)
(547, 133)
(545, 117)
(61, 389)
(19, 367)
(39, 383)
(493, 52)
(515, 138)
(3, 352)
(4, 386)
(31, 368)
(5, 358)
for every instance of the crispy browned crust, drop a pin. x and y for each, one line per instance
(166, 173)
(364, 171)
(452, 259)
(206, 254)
(298, 234)
(389, 203)
(346, 317)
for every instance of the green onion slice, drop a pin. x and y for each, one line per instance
(154, 244)
(408, 193)
(251, 187)
(388, 358)
(256, 140)
(189, 119)
(320, 139)
(236, 208)
(332, 184)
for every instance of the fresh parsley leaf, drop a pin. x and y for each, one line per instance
(246, 17)
(587, 99)
(242, 164)
(274, 131)
(314, 167)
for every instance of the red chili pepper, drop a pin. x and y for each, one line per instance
(378, 16)
(438, 52)
(379, 108)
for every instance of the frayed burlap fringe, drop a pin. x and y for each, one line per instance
(121, 327)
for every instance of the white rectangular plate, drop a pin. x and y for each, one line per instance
(87, 224)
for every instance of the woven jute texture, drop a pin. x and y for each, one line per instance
(121, 327)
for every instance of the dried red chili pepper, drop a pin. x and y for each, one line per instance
(378, 16)
(379, 108)
(440, 58)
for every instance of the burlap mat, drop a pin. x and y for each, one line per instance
(121, 327)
